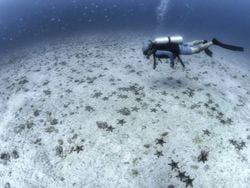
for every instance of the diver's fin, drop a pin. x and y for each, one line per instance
(227, 46)
(208, 52)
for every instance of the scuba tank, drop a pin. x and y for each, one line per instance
(169, 39)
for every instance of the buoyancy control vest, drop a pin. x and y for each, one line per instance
(168, 43)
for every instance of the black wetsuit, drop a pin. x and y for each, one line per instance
(172, 47)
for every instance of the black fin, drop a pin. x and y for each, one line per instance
(227, 46)
(208, 52)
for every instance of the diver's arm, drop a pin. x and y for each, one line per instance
(155, 63)
(171, 57)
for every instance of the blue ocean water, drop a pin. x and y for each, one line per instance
(32, 20)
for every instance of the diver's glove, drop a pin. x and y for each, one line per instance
(204, 41)
(208, 52)
(172, 65)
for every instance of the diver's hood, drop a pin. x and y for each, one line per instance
(146, 48)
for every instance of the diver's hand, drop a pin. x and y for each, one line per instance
(172, 65)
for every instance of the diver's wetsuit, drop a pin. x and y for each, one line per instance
(172, 50)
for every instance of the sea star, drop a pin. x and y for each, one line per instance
(206, 132)
(110, 128)
(153, 110)
(159, 153)
(203, 156)
(78, 149)
(181, 175)
(135, 109)
(189, 182)
(121, 121)
(160, 141)
(174, 165)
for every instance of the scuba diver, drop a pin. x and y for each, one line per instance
(172, 47)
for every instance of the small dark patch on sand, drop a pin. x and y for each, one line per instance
(124, 111)
(47, 92)
(53, 121)
(97, 94)
(15, 154)
(59, 151)
(135, 172)
(7, 185)
(102, 124)
(36, 113)
(89, 109)
(23, 81)
(51, 129)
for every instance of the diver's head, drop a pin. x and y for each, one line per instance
(147, 49)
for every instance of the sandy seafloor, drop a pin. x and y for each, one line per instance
(89, 111)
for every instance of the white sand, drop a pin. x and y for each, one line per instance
(53, 94)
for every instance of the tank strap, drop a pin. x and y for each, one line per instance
(169, 39)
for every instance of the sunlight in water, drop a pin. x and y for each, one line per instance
(162, 10)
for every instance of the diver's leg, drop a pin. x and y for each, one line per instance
(188, 50)
(194, 43)
(185, 50)
(201, 47)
